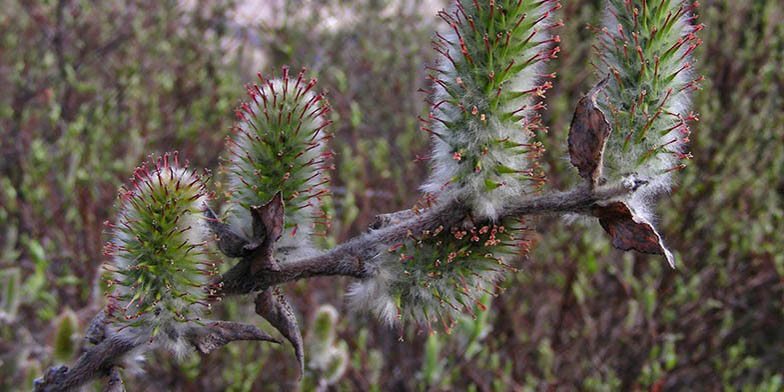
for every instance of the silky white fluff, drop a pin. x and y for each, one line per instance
(171, 330)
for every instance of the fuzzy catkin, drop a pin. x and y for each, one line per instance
(279, 145)
(488, 89)
(645, 47)
(160, 269)
(489, 86)
(433, 277)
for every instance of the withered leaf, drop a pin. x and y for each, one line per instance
(588, 135)
(273, 306)
(267, 228)
(630, 231)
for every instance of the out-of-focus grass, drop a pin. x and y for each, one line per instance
(89, 91)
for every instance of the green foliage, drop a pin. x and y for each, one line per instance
(164, 80)
(89, 89)
(432, 364)
(11, 290)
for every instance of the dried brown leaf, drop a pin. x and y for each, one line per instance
(630, 231)
(273, 306)
(587, 136)
(216, 334)
(267, 228)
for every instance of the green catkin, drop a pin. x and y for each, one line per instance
(645, 47)
(279, 145)
(158, 278)
(65, 333)
(328, 357)
(489, 87)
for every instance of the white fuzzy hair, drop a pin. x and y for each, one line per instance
(196, 231)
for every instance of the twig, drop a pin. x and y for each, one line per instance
(351, 257)
(102, 359)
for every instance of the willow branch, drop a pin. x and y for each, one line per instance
(350, 258)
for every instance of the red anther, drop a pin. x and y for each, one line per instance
(421, 158)
(555, 25)
(470, 20)
(676, 168)
(464, 50)
(539, 106)
(520, 20)
(299, 80)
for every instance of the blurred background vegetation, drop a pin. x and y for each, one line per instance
(89, 89)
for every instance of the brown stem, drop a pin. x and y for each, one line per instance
(351, 257)
(101, 360)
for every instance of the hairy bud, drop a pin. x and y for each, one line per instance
(278, 145)
(432, 277)
(645, 47)
(328, 358)
(160, 263)
(66, 335)
(488, 87)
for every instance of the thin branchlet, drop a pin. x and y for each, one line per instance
(354, 257)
